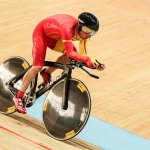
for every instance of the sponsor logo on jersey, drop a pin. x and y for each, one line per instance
(52, 25)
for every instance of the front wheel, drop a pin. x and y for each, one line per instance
(65, 124)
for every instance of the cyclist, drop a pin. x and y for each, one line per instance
(57, 33)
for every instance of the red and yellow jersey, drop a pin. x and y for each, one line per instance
(61, 29)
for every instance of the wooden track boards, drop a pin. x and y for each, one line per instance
(23, 132)
(121, 96)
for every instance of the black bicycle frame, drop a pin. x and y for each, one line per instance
(65, 75)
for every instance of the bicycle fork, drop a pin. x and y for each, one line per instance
(64, 106)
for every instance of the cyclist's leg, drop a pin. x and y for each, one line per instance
(59, 47)
(38, 54)
(46, 75)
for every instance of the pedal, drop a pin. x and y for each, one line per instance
(31, 101)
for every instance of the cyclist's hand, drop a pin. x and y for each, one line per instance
(100, 67)
(93, 63)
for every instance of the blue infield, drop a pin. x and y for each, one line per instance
(100, 133)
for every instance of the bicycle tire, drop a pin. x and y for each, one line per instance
(66, 124)
(8, 69)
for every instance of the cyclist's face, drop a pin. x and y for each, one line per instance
(84, 35)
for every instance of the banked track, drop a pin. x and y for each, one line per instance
(18, 131)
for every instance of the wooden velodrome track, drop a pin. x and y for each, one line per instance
(120, 97)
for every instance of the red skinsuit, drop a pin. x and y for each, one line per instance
(57, 32)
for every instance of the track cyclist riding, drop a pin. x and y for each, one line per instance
(57, 33)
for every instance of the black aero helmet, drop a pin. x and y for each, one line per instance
(88, 20)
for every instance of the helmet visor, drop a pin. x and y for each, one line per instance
(88, 30)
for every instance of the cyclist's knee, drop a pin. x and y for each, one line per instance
(63, 59)
(36, 69)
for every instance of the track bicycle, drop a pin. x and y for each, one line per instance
(67, 106)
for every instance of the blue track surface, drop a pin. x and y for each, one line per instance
(100, 133)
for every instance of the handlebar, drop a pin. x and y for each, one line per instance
(73, 64)
(80, 65)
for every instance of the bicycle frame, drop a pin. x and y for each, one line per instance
(64, 94)
(65, 75)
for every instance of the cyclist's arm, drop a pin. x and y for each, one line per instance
(69, 47)
(72, 54)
